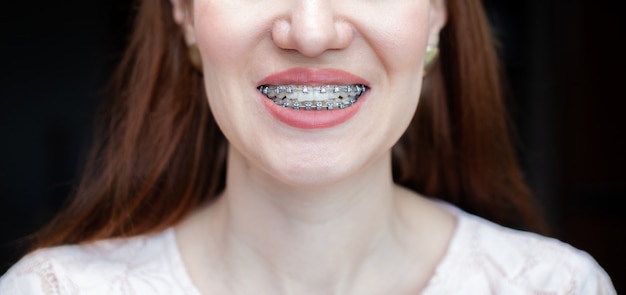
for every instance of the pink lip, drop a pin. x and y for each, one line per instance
(312, 119)
(302, 76)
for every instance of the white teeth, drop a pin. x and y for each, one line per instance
(304, 97)
(291, 95)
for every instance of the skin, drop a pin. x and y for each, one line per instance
(313, 211)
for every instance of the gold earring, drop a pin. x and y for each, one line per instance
(432, 52)
(194, 57)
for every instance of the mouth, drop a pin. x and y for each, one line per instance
(319, 98)
(313, 98)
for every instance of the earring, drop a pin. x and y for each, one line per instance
(194, 57)
(432, 52)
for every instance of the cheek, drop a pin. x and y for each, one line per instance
(226, 31)
(216, 39)
(400, 41)
(226, 45)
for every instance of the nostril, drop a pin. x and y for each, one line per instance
(344, 34)
(280, 34)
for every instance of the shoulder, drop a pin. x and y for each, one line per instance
(138, 265)
(516, 262)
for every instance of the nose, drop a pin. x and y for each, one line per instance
(312, 27)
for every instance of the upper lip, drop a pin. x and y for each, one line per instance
(312, 77)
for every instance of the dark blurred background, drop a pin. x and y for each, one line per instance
(565, 60)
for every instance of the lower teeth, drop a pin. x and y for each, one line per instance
(327, 97)
(316, 105)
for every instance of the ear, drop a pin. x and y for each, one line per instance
(438, 19)
(182, 12)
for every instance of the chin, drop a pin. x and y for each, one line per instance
(313, 171)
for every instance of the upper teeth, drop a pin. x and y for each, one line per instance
(314, 97)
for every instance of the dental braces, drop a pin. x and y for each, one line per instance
(326, 97)
(315, 105)
(282, 91)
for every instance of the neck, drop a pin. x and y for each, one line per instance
(308, 237)
(360, 235)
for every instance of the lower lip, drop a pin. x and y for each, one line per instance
(312, 119)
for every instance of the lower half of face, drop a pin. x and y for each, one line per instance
(312, 108)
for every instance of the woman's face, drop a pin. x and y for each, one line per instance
(266, 62)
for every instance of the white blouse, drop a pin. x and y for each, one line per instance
(482, 258)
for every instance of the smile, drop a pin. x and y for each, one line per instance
(304, 97)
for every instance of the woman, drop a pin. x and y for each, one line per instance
(308, 169)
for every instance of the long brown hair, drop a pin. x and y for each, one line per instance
(158, 153)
